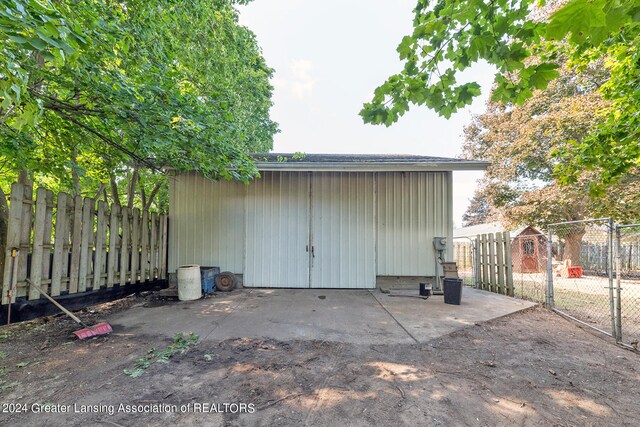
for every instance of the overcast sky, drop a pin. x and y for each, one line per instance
(328, 57)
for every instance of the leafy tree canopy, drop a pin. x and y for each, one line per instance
(97, 88)
(524, 44)
(520, 141)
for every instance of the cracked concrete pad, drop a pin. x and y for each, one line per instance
(350, 316)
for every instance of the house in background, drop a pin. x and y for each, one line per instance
(319, 221)
(528, 244)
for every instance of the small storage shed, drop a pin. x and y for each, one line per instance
(319, 220)
(528, 245)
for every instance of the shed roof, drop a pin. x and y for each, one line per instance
(362, 162)
(488, 228)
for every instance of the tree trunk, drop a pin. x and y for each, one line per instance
(4, 222)
(74, 172)
(153, 195)
(99, 192)
(132, 187)
(114, 191)
(572, 247)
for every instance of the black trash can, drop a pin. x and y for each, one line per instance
(452, 291)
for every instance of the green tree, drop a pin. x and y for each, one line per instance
(524, 44)
(93, 87)
(519, 142)
(479, 210)
(100, 97)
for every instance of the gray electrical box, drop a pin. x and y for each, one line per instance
(440, 243)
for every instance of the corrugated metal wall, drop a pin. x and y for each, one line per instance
(277, 235)
(206, 222)
(413, 207)
(343, 230)
(258, 229)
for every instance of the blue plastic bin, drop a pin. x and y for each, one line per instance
(208, 278)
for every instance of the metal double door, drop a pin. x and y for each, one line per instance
(311, 230)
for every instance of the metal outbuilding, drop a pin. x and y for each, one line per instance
(318, 220)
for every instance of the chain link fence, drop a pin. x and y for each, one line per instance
(628, 284)
(464, 256)
(586, 270)
(582, 268)
(529, 258)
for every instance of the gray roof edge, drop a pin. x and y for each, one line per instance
(362, 162)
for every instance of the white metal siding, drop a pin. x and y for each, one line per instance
(277, 236)
(358, 221)
(207, 221)
(413, 207)
(343, 230)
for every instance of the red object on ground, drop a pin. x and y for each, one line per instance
(93, 331)
(574, 272)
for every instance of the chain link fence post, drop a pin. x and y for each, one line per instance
(610, 274)
(550, 301)
(618, 287)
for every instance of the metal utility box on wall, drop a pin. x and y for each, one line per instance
(320, 221)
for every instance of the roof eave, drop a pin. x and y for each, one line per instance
(372, 166)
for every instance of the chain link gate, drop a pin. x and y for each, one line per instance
(580, 272)
(627, 284)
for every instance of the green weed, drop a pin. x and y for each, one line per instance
(181, 343)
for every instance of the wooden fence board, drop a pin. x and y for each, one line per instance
(99, 245)
(76, 243)
(13, 238)
(87, 231)
(124, 245)
(114, 231)
(144, 240)
(492, 263)
(163, 247)
(153, 248)
(25, 239)
(500, 249)
(135, 245)
(485, 262)
(58, 246)
(508, 263)
(37, 250)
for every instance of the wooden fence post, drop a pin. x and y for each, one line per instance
(37, 251)
(112, 257)
(13, 237)
(76, 244)
(163, 247)
(59, 242)
(144, 234)
(492, 263)
(25, 239)
(135, 246)
(153, 252)
(124, 246)
(485, 263)
(85, 245)
(500, 246)
(99, 246)
(508, 264)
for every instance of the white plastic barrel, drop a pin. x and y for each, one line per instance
(189, 287)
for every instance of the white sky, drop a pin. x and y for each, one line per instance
(328, 57)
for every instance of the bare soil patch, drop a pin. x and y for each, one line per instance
(530, 368)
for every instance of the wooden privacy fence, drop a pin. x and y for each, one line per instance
(495, 269)
(69, 245)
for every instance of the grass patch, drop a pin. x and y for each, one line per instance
(181, 344)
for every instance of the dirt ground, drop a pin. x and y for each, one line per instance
(530, 368)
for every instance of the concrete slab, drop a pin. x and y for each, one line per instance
(350, 316)
(425, 320)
